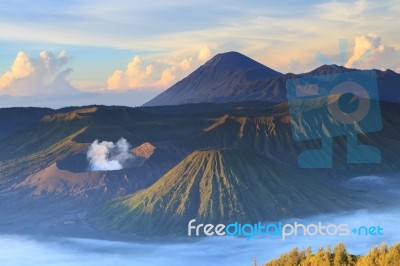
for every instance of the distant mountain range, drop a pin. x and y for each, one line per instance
(233, 77)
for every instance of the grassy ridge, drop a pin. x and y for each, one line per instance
(219, 185)
(16, 118)
(49, 131)
(15, 168)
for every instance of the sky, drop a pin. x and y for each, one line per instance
(99, 51)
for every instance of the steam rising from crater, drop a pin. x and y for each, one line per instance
(107, 156)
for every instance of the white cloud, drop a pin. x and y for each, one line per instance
(267, 31)
(45, 74)
(341, 11)
(294, 65)
(204, 53)
(157, 74)
(370, 52)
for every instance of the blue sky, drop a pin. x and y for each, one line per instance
(169, 39)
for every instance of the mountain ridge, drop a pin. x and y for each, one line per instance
(233, 77)
(219, 186)
(215, 77)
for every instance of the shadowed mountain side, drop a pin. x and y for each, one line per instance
(54, 180)
(219, 186)
(215, 81)
(264, 129)
(388, 85)
(388, 81)
(54, 201)
(265, 134)
(14, 119)
(104, 123)
(101, 184)
(233, 77)
(271, 135)
(13, 170)
(45, 133)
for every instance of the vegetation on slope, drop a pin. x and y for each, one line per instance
(34, 162)
(49, 131)
(16, 118)
(383, 255)
(219, 185)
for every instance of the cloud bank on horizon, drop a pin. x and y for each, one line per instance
(156, 74)
(37, 75)
(148, 47)
(370, 52)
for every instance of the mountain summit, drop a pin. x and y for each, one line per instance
(218, 186)
(231, 62)
(216, 81)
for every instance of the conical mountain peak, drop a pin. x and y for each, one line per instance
(218, 80)
(218, 186)
(232, 62)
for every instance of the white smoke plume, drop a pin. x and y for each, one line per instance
(107, 156)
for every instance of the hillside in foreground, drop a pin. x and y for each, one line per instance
(220, 185)
(383, 255)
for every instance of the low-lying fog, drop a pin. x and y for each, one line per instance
(26, 251)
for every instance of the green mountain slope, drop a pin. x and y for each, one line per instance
(14, 169)
(49, 131)
(271, 134)
(263, 129)
(219, 185)
(267, 134)
(14, 119)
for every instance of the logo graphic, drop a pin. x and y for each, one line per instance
(280, 229)
(340, 104)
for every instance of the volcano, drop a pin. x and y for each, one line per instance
(215, 81)
(219, 186)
